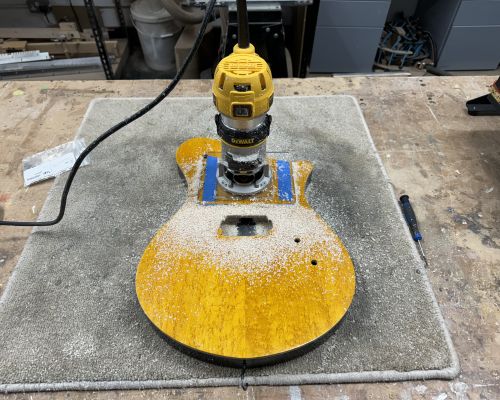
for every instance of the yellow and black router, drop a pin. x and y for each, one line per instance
(245, 273)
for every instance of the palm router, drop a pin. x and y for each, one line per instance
(245, 273)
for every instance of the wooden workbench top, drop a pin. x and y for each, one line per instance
(448, 162)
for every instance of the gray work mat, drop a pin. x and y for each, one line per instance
(70, 318)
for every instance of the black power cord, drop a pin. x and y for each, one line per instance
(120, 125)
(244, 385)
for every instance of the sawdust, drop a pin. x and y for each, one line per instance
(185, 234)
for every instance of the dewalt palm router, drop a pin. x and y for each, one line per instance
(243, 94)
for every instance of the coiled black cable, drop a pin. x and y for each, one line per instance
(120, 125)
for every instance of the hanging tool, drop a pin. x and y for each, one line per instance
(412, 221)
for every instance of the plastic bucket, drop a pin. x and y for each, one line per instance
(158, 33)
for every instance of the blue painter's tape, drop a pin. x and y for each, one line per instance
(284, 181)
(210, 184)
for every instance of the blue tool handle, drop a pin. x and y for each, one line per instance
(410, 217)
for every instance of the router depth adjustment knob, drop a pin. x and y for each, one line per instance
(249, 137)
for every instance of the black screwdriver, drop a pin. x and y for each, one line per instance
(412, 221)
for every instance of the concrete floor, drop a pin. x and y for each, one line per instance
(447, 161)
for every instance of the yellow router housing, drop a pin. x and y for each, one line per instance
(243, 87)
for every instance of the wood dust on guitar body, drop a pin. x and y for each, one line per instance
(244, 296)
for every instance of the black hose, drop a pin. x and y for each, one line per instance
(436, 71)
(124, 123)
(243, 29)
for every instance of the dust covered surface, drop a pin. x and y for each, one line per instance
(70, 312)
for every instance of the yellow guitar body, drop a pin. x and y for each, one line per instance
(257, 299)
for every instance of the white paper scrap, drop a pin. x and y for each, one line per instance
(49, 169)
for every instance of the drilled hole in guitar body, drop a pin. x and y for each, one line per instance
(246, 225)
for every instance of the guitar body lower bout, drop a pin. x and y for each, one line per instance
(254, 362)
(260, 280)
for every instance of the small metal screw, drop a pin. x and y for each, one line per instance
(234, 36)
(276, 36)
(268, 30)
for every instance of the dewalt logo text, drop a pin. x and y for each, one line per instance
(242, 141)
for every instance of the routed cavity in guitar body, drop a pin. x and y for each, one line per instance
(235, 225)
(258, 280)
